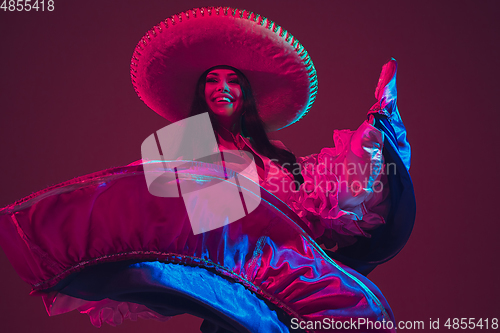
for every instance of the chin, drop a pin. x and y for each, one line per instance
(223, 112)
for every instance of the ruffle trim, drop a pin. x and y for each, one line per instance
(334, 208)
(103, 311)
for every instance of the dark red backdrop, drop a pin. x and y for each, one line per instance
(67, 108)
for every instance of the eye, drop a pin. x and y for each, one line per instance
(234, 81)
(211, 79)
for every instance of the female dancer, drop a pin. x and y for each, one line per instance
(104, 245)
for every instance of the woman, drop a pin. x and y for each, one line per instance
(115, 251)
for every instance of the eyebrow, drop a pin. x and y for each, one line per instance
(217, 74)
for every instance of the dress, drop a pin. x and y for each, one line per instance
(102, 244)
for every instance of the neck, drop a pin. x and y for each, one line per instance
(228, 128)
(227, 138)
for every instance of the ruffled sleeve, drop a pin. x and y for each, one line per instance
(343, 195)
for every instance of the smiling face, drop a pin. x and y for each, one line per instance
(223, 94)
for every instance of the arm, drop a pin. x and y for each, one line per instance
(397, 205)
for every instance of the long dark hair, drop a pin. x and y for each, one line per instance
(251, 124)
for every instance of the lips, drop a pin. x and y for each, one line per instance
(223, 99)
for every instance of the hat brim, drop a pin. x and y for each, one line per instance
(170, 58)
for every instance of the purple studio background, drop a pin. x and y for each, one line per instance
(67, 109)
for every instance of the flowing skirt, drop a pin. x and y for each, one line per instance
(102, 244)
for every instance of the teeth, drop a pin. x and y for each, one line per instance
(223, 99)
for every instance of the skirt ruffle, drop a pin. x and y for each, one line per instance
(55, 236)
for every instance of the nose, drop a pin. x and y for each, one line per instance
(223, 86)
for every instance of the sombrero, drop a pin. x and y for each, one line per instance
(170, 58)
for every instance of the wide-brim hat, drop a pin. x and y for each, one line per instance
(170, 58)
